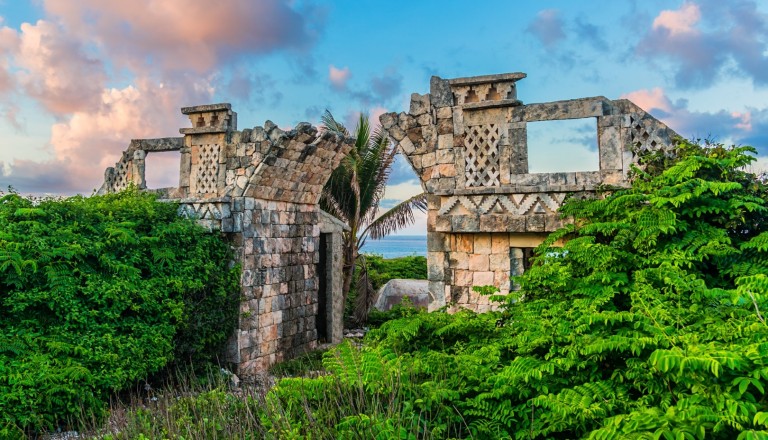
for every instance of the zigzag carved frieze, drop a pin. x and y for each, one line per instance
(516, 204)
(201, 211)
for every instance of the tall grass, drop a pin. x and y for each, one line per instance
(318, 407)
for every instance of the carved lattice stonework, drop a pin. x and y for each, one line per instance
(643, 135)
(207, 168)
(482, 155)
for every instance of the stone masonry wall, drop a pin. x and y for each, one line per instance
(467, 142)
(260, 187)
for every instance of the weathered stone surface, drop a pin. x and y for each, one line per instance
(393, 293)
(260, 187)
(467, 141)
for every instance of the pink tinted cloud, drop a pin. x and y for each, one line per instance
(731, 43)
(648, 100)
(93, 139)
(680, 21)
(339, 77)
(747, 127)
(9, 45)
(56, 70)
(185, 34)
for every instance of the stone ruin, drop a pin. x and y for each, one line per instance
(260, 188)
(467, 142)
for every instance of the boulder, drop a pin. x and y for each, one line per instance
(395, 290)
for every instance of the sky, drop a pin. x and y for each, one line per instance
(80, 78)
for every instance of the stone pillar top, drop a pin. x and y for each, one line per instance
(483, 79)
(476, 92)
(210, 118)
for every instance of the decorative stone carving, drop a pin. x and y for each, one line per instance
(482, 155)
(260, 187)
(477, 181)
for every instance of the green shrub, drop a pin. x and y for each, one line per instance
(649, 322)
(98, 292)
(381, 270)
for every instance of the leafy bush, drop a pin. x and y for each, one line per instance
(381, 270)
(648, 323)
(97, 293)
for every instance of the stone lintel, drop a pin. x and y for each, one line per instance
(566, 109)
(206, 108)
(159, 144)
(492, 104)
(204, 130)
(484, 79)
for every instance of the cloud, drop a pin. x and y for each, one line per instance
(10, 112)
(113, 71)
(254, 89)
(707, 39)
(591, 34)
(339, 77)
(547, 27)
(679, 22)
(186, 34)
(56, 70)
(649, 100)
(83, 146)
(9, 44)
(748, 127)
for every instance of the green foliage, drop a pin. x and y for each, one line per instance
(647, 323)
(381, 270)
(378, 271)
(353, 193)
(98, 292)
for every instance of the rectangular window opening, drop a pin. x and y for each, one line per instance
(568, 145)
(161, 169)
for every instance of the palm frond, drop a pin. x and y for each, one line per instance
(330, 205)
(397, 217)
(332, 125)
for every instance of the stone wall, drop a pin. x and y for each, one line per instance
(260, 187)
(467, 142)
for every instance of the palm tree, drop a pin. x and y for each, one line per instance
(353, 193)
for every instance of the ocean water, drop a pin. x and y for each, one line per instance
(393, 246)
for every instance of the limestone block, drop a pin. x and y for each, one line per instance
(462, 277)
(482, 244)
(534, 223)
(458, 260)
(465, 223)
(425, 119)
(479, 262)
(406, 121)
(482, 278)
(445, 125)
(437, 241)
(428, 160)
(499, 243)
(445, 141)
(440, 92)
(444, 113)
(442, 223)
(407, 146)
(499, 261)
(610, 148)
(388, 120)
(445, 155)
(464, 243)
(493, 223)
(419, 104)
